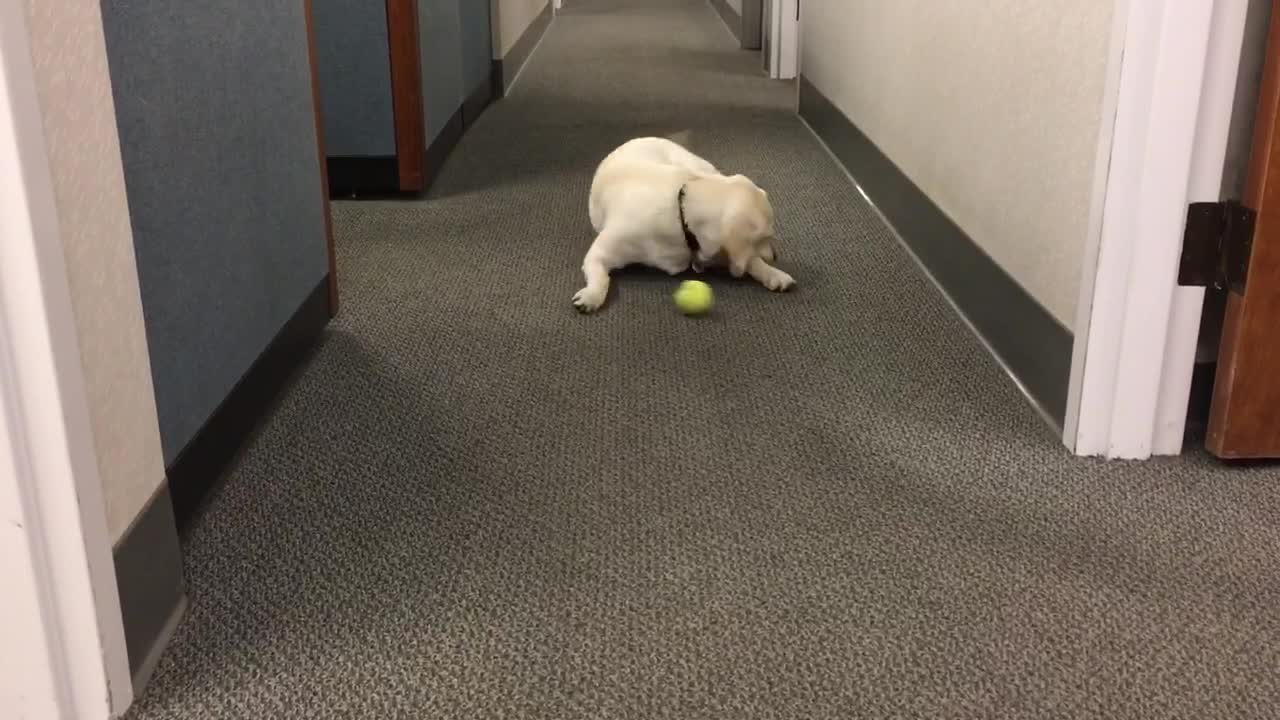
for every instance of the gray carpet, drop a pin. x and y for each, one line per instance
(476, 503)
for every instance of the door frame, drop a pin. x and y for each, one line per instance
(1166, 117)
(783, 41)
(66, 654)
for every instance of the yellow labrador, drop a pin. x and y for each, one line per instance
(655, 203)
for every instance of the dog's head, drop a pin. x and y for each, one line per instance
(747, 230)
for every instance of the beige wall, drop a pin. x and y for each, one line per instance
(509, 19)
(84, 152)
(994, 113)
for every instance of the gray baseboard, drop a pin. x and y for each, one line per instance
(506, 69)
(745, 27)
(751, 37)
(148, 562)
(730, 16)
(1031, 345)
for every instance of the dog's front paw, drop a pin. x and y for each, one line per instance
(779, 281)
(588, 300)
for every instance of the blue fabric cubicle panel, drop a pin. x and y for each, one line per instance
(477, 44)
(213, 101)
(353, 54)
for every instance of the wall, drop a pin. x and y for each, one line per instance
(355, 72)
(352, 54)
(84, 154)
(217, 133)
(993, 114)
(510, 19)
(477, 53)
(440, 43)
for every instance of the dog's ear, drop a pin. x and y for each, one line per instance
(737, 245)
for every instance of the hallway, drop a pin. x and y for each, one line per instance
(476, 503)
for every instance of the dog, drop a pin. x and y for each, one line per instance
(655, 203)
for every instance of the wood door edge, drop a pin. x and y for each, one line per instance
(322, 154)
(1220, 438)
(406, 92)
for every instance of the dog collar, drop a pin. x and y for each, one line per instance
(690, 239)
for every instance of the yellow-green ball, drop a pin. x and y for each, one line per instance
(693, 297)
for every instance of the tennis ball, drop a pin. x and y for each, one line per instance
(693, 297)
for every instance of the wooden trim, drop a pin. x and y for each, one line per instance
(323, 160)
(406, 92)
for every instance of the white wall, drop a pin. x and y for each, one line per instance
(510, 19)
(73, 84)
(62, 643)
(994, 113)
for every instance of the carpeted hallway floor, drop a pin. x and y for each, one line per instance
(476, 503)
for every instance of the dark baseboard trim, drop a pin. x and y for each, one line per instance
(440, 148)
(476, 103)
(148, 564)
(201, 464)
(373, 175)
(752, 35)
(506, 69)
(496, 74)
(1031, 345)
(731, 18)
(746, 27)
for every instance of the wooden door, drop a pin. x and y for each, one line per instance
(1244, 417)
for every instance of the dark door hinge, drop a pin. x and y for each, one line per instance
(1216, 246)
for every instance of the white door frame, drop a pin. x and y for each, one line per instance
(1167, 110)
(784, 39)
(62, 646)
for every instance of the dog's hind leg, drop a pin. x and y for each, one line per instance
(595, 268)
